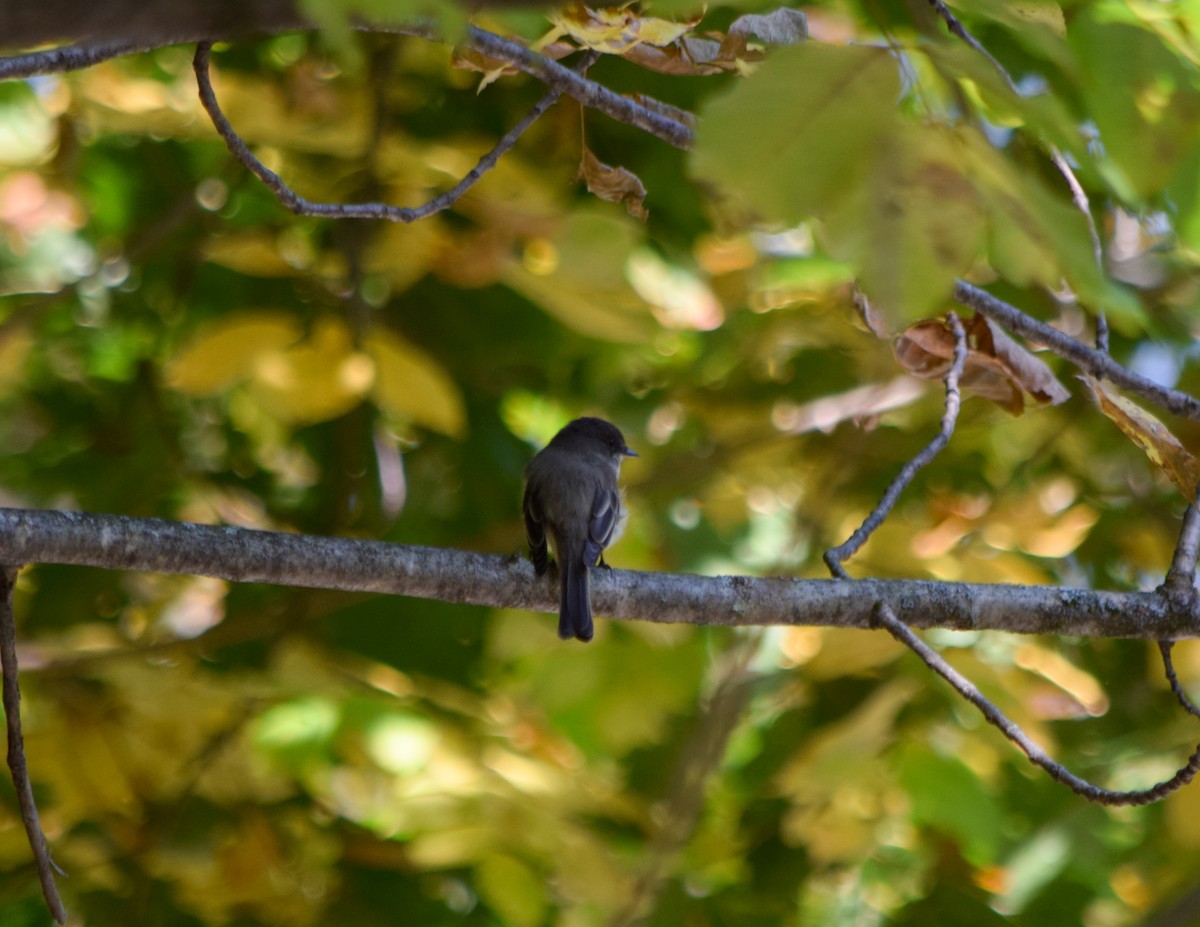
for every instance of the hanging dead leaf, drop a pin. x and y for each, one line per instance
(997, 368)
(615, 184)
(1033, 376)
(691, 56)
(1152, 436)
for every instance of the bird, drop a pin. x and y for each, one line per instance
(573, 501)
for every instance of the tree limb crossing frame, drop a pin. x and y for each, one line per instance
(243, 555)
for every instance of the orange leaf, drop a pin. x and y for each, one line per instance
(997, 368)
(615, 184)
(1152, 436)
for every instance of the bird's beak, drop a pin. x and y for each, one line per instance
(629, 452)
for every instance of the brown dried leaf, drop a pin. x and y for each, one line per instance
(925, 349)
(1152, 436)
(615, 184)
(997, 368)
(870, 315)
(691, 56)
(1033, 376)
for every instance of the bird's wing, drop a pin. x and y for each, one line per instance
(606, 506)
(535, 532)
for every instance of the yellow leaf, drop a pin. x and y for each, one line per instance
(404, 253)
(411, 385)
(1152, 436)
(256, 253)
(512, 889)
(615, 30)
(580, 277)
(318, 379)
(225, 354)
(15, 342)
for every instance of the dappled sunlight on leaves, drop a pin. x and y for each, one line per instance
(175, 343)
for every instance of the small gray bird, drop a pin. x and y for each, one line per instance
(571, 496)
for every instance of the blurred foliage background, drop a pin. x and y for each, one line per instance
(174, 343)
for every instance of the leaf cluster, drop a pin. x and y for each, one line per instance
(174, 343)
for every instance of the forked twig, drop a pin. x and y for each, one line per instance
(16, 749)
(1164, 647)
(835, 556)
(885, 617)
(1097, 363)
(306, 207)
(1181, 584)
(1181, 577)
(1013, 732)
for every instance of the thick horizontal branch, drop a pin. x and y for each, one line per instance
(242, 555)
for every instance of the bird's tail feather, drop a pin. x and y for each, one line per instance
(575, 610)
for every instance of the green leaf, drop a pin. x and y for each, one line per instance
(948, 796)
(912, 225)
(1143, 98)
(512, 890)
(1034, 237)
(802, 131)
(1043, 114)
(1037, 25)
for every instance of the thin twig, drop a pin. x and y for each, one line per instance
(1180, 584)
(1164, 647)
(1181, 577)
(956, 27)
(590, 94)
(967, 689)
(1095, 362)
(885, 616)
(835, 556)
(16, 749)
(67, 58)
(305, 207)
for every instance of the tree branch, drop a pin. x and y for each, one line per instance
(1090, 360)
(242, 555)
(836, 555)
(885, 617)
(306, 207)
(589, 93)
(511, 52)
(16, 749)
(1011, 730)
